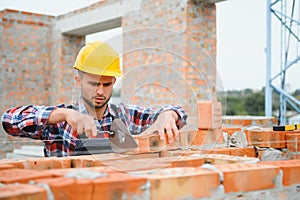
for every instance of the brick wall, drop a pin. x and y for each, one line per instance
(35, 61)
(173, 59)
(25, 58)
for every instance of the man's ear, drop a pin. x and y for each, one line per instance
(77, 81)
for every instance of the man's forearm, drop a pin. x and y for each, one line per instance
(172, 114)
(58, 115)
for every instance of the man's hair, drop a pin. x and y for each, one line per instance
(80, 73)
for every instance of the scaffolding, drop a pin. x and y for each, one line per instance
(287, 15)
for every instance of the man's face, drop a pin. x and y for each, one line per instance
(95, 90)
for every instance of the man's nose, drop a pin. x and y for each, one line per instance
(99, 89)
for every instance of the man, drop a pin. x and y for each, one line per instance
(61, 126)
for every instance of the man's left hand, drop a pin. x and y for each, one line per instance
(165, 123)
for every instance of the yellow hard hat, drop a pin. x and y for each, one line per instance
(98, 58)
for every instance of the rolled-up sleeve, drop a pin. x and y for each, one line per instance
(139, 118)
(27, 121)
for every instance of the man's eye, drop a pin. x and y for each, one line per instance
(106, 84)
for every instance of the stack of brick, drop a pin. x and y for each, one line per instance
(147, 176)
(209, 124)
(269, 144)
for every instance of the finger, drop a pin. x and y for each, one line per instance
(94, 129)
(175, 131)
(88, 131)
(74, 126)
(88, 127)
(161, 134)
(80, 128)
(170, 135)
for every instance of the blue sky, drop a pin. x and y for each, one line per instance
(241, 38)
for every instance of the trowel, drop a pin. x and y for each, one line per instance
(119, 141)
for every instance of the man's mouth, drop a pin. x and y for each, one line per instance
(99, 99)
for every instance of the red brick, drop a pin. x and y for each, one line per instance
(292, 141)
(266, 138)
(22, 191)
(141, 156)
(21, 175)
(47, 163)
(185, 161)
(62, 172)
(5, 166)
(248, 177)
(217, 159)
(103, 158)
(182, 183)
(98, 160)
(223, 151)
(242, 122)
(265, 122)
(231, 130)
(153, 143)
(69, 188)
(247, 151)
(85, 161)
(290, 169)
(209, 114)
(192, 151)
(172, 153)
(201, 137)
(118, 185)
(155, 163)
(18, 164)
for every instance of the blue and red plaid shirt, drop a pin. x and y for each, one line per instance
(32, 121)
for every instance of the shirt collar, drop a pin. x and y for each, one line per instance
(81, 108)
(109, 111)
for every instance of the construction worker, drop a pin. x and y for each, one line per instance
(60, 126)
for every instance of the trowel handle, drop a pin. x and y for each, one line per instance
(111, 133)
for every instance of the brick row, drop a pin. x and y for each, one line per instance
(22, 191)
(165, 183)
(267, 138)
(290, 169)
(242, 121)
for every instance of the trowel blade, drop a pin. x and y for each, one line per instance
(122, 141)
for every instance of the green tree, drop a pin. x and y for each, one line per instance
(249, 102)
(234, 106)
(254, 104)
(296, 94)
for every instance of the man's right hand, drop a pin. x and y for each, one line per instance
(81, 123)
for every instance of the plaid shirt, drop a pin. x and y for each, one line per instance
(32, 121)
